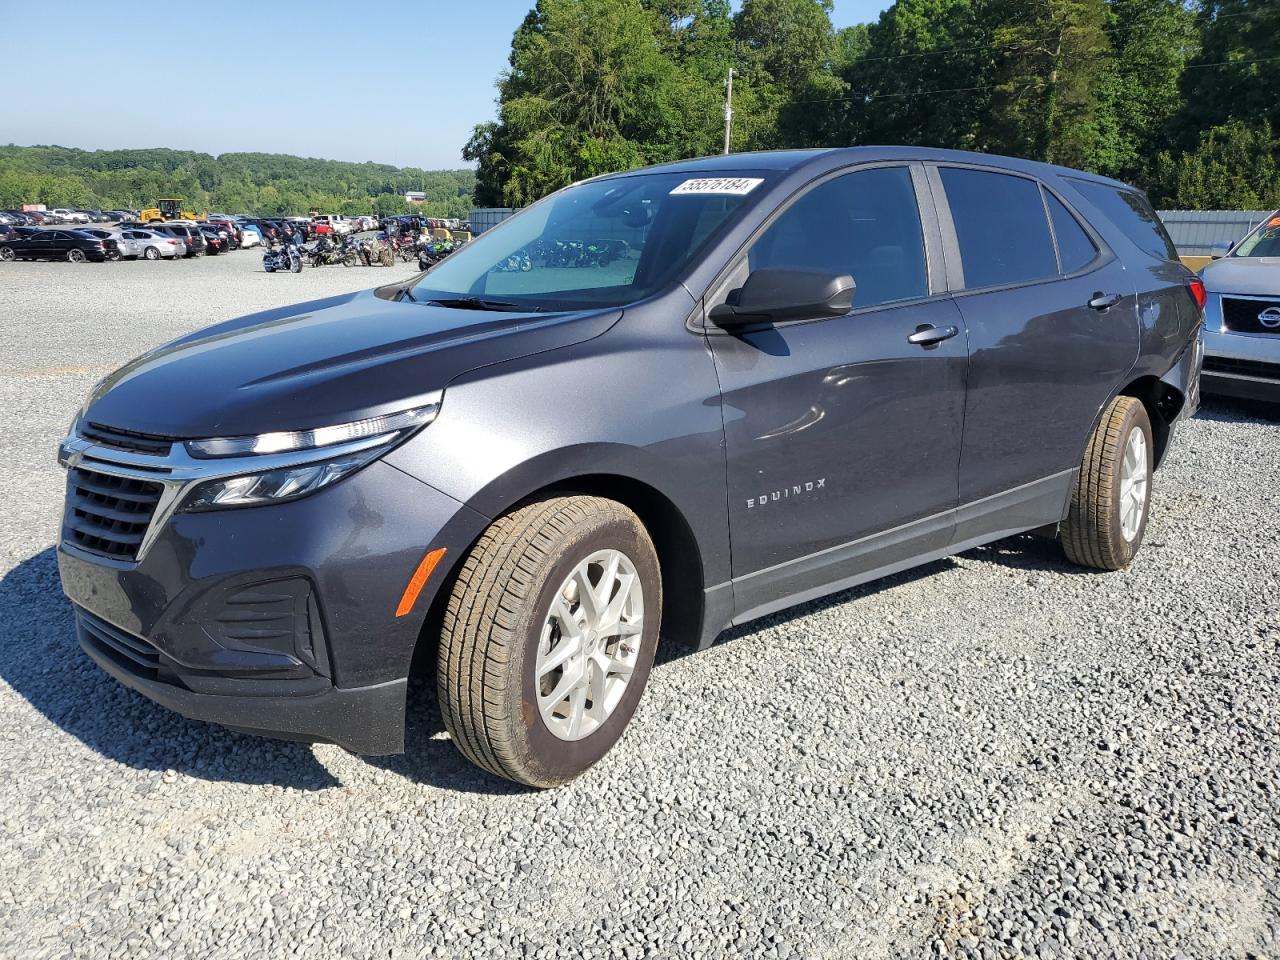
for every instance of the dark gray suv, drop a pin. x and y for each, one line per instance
(646, 408)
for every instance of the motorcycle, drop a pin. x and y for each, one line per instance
(283, 257)
(432, 252)
(375, 252)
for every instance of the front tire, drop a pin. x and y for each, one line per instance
(548, 638)
(151, 253)
(1112, 496)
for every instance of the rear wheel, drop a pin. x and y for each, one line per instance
(1112, 496)
(549, 637)
(76, 256)
(7, 254)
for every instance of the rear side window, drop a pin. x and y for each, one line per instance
(1131, 213)
(865, 224)
(1001, 227)
(1075, 249)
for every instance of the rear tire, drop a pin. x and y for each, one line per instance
(1112, 496)
(517, 604)
(7, 255)
(76, 256)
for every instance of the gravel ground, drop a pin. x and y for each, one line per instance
(995, 756)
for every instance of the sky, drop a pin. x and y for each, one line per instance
(393, 81)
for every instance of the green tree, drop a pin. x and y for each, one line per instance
(1234, 168)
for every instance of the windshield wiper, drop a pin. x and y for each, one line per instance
(407, 292)
(481, 303)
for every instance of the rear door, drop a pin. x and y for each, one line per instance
(1052, 322)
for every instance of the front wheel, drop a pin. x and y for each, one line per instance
(295, 264)
(548, 638)
(1112, 496)
(151, 253)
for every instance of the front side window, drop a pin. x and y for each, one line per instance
(1132, 214)
(865, 224)
(1001, 227)
(599, 244)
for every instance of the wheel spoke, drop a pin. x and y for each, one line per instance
(567, 647)
(577, 707)
(587, 599)
(562, 689)
(598, 671)
(613, 612)
(569, 626)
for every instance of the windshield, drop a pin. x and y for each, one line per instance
(601, 244)
(1263, 242)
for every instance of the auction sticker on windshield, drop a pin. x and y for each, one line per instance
(735, 186)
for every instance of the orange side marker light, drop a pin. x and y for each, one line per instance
(419, 580)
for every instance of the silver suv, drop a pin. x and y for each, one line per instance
(1242, 316)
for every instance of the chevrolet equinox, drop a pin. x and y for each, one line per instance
(651, 406)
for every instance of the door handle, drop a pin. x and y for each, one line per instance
(1104, 301)
(927, 335)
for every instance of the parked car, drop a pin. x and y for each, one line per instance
(532, 474)
(250, 235)
(42, 218)
(70, 216)
(188, 233)
(333, 223)
(216, 241)
(17, 232)
(125, 247)
(73, 245)
(1242, 317)
(155, 245)
(229, 228)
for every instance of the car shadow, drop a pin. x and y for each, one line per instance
(41, 660)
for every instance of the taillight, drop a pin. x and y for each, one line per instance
(1198, 292)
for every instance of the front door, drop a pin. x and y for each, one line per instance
(843, 435)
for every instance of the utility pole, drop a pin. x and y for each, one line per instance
(728, 109)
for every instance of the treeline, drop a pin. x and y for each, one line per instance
(1181, 97)
(257, 183)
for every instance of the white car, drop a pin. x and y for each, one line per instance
(1242, 316)
(70, 216)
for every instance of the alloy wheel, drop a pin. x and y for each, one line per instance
(1134, 483)
(589, 645)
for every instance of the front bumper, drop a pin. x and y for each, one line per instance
(276, 619)
(368, 720)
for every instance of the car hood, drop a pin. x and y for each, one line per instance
(327, 361)
(1258, 276)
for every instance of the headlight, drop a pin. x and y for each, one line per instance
(349, 446)
(287, 483)
(391, 426)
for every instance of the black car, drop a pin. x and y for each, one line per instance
(651, 406)
(191, 235)
(216, 240)
(74, 245)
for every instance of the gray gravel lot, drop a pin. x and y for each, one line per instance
(996, 756)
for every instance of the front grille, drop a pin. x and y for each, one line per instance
(1248, 368)
(1243, 315)
(109, 515)
(125, 439)
(127, 651)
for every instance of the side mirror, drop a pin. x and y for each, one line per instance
(1219, 250)
(775, 295)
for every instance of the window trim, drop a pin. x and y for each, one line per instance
(1171, 253)
(736, 264)
(1098, 246)
(951, 240)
